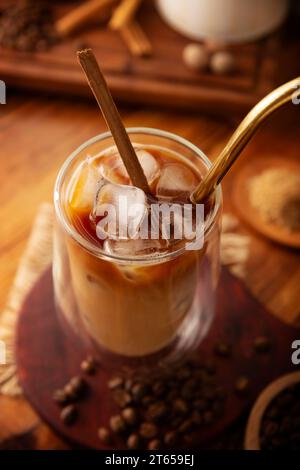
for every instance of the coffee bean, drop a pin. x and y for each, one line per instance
(116, 382)
(60, 397)
(122, 398)
(147, 400)
(133, 442)
(157, 411)
(128, 384)
(117, 424)
(88, 366)
(69, 415)
(180, 406)
(104, 435)
(223, 349)
(272, 413)
(171, 438)
(70, 392)
(79, 385)
(75, 389)
(176, 422)
(158, 388)
(148, 430)
(186, 426)
(242, 385)
(270, 428)
(191, 383)
(130, 416)
(189, 439)
(139, 391)
(186, 392)
(155, 444)
(171, 396)
(262, 344)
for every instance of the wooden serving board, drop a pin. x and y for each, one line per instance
(47, 359)
(161, 79)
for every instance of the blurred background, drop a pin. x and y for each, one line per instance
(219, 55)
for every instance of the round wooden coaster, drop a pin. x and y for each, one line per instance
(47, 359)
(240, 196)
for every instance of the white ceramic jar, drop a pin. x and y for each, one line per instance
(226, 20)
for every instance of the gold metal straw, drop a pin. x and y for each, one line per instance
(241, 137)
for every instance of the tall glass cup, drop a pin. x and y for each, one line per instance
(135, 308)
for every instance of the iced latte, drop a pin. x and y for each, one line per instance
(127, 294)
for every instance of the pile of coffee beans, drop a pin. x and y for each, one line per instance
(73, 392)
(164, 411)
(27, 26)
(280, 427)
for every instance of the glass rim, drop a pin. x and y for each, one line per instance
(99, 252)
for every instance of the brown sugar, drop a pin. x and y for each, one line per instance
(275, 193)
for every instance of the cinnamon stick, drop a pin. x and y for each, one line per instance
(124, 13)
(111, 115)
(136, 39)
(81, 15)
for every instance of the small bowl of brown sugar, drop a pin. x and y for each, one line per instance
(267, 196)
(275, 194)
(274, 422)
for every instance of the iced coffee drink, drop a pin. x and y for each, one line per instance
(146, 288)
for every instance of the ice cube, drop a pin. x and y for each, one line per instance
(175, 181)
(149, 164)
(119, 211)
(112, 167)
(138, 247)
(84, 186)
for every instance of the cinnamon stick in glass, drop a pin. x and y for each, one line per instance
(112, 117)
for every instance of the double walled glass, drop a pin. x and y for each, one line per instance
(135, 308)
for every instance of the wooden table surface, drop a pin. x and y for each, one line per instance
(36, 135)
